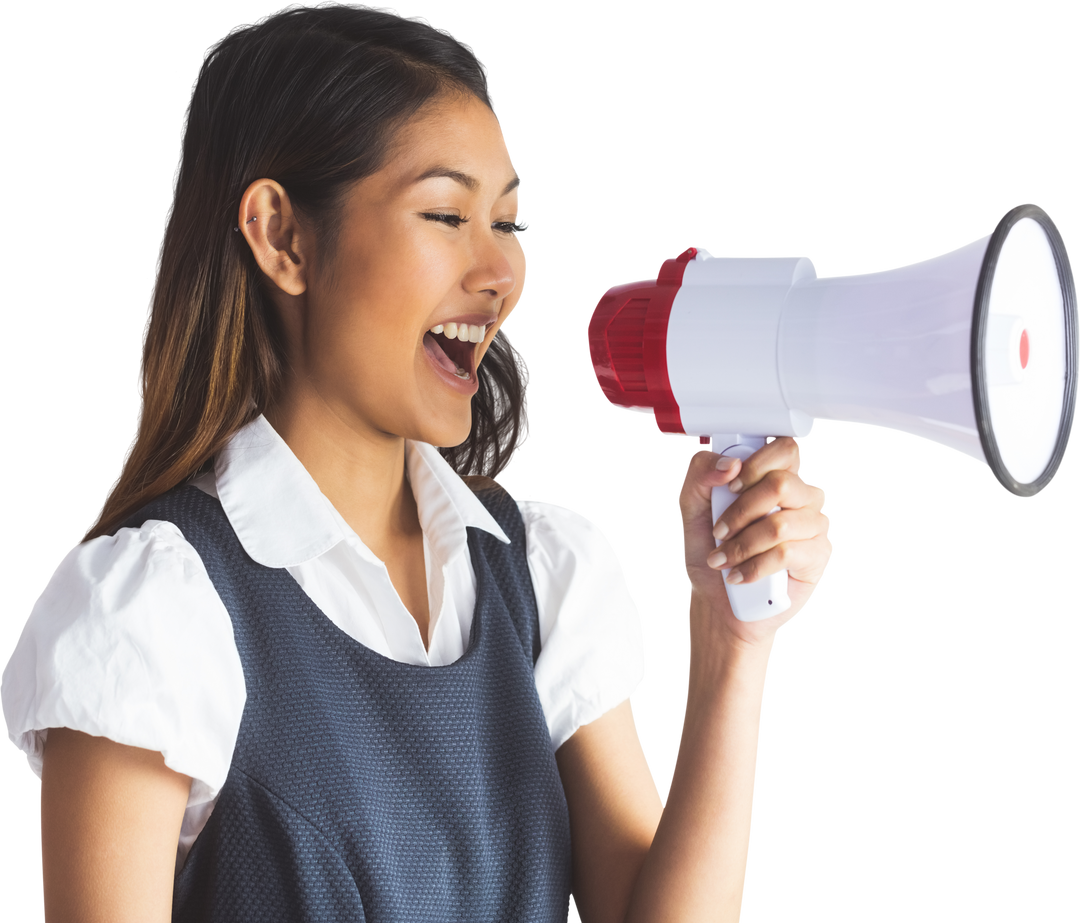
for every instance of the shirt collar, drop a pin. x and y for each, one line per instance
(282, 518)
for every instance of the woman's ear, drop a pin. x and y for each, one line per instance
(270, 227)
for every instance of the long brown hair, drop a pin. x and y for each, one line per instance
(310, 98)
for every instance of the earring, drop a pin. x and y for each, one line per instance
(252, 218)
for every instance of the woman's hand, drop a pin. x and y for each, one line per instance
(754, 544)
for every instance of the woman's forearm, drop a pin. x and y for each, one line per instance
(696, 865)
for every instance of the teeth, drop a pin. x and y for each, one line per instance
(461, 373)
(467, 333)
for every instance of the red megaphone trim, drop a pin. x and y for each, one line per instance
(628, 343)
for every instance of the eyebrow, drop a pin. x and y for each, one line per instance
(469, 182)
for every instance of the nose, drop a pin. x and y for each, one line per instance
(491, 273)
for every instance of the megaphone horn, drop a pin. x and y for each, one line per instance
(976, 349)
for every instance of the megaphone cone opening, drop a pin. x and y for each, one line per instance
(1004, 451)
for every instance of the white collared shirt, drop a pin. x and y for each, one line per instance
(130, 640)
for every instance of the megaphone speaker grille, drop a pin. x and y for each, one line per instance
(1024, 350)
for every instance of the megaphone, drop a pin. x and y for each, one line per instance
(975, 349)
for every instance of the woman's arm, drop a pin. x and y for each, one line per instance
(697, 863)
(110, 820)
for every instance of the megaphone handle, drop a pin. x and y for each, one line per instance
(764, 598)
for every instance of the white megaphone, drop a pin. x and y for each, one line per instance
(975, 349)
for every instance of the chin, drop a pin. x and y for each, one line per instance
(446, 433)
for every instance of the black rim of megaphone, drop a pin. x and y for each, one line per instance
(978, 358)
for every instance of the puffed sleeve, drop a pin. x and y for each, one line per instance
(591, 655)
(130, 641)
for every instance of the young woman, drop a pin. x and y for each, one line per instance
(300, 669)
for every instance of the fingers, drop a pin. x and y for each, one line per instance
(790, 538)
(778, 487)
(807, 561)
(780, 454)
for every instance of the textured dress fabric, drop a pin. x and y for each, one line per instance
(363, 788)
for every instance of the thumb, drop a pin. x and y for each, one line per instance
(707, 470)
(725, 470)
(729, 466)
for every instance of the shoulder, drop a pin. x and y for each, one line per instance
(112, 646)
(154, 549)
(546, 519)
(568, 554)
(591, 648)
(121, 580)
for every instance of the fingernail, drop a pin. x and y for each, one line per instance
(724, 463)
(734, 577)
(717, 559)
(720, 531)
(735, 486)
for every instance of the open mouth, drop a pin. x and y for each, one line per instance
(454, 355)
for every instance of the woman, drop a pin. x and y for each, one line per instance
(298, 669)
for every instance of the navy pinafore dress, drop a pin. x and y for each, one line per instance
(364, 789)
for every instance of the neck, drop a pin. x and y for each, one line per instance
(359, 470)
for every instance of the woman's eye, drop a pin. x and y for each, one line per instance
(454, 220)
(521, 227)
